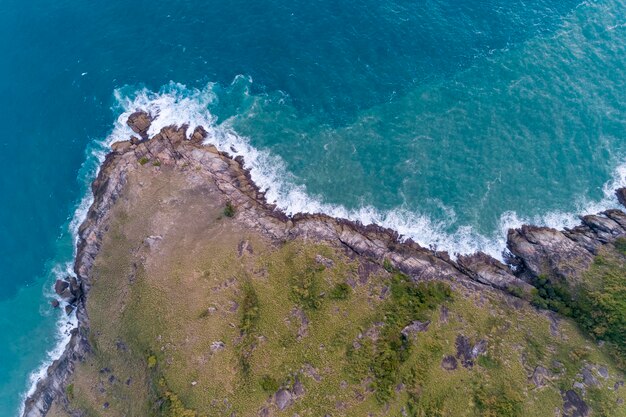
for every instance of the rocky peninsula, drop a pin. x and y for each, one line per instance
(195, 297)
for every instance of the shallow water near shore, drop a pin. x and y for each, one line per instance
(448, 121)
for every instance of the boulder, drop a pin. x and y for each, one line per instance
(283, 399)
(140, 122)
(54, 303)
(198, 135)
(415, 327)
(574, 406)
(60, 286)
(540, 376)
(68, 309)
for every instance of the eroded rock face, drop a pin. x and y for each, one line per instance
(487, 270)
(543, 250)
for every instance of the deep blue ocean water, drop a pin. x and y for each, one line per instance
(449, 120)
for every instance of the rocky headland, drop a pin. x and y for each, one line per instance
(141, 171)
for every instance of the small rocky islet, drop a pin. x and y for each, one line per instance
(195, 297)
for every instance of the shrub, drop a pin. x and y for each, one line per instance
(143, 160)
(387, 266)
(305, 287)
(69, 391)
(269, 384)
(408, 301)
(156, 164)
(152, 361)
(229, 210)
(340, 291)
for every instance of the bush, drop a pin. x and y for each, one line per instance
(156, 164)
(340, 291)
(269, 384)
(143, 160)
(383, 358)
(388, 266)
(305, 287)
(229, 210)
(69, 391)
(152, 361)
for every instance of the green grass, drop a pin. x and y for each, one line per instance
(143, 160)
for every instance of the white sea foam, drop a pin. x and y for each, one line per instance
(176, 104)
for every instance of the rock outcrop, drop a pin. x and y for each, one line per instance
(533, 250)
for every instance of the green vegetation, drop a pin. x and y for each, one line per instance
(229, 210)
(248, 326)
(306, 287)
(408, 301)
(69, 391)
(156, 163)
(497, 401)
(143, 160)
(341, 291)
(152, 361)
(599, 303)
(269, 384)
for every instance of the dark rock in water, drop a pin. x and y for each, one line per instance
(75, 287)
(54, 303)
(68, 309)
(540, 376)
(574, 406)
(621, 196)
(60, 286)
(282, 399)
(487, 270)
(449, 363)
(140, 123)
(198, 135)
(415, 327)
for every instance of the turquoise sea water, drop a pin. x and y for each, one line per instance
(449, 120)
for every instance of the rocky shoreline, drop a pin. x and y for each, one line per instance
(531, 250)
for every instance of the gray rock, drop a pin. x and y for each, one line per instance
(60, 286)
(283, 399)
(218, 345)
(574, 406)
(415, 327)
(540, 376)
(487, 270)
(603, 372)
(588, 378)
(449, 363)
